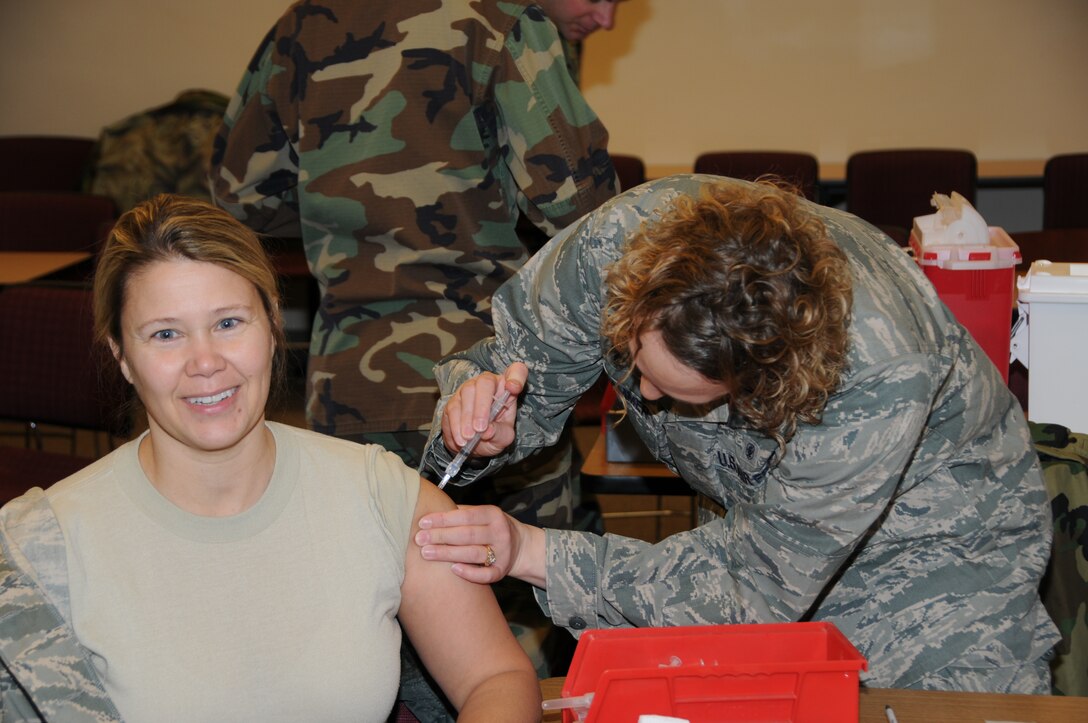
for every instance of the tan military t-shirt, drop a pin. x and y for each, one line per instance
(283, 612)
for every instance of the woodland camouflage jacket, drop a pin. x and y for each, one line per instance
(402, 139)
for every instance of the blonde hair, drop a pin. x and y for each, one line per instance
(747, 289)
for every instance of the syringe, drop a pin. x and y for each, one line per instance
(455, 466)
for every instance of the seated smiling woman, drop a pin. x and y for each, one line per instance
(221, 566)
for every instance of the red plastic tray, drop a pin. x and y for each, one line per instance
(795, 672)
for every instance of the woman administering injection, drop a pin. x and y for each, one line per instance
(864, 461)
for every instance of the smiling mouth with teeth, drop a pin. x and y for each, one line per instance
(214, 399)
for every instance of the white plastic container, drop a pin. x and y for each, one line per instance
(1054, 296)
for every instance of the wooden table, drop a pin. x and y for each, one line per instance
(923, 706)
(18, 267)
(627, 478)
(601, 477)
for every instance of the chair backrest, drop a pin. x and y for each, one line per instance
(1065, 191)
(22, 468)
(51, 371)
(630, 169)
(44, 163)
(890, 188)
(802, 170)
(54, 220)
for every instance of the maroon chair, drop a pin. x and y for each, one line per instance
(44, 163)
(22, 468)
(51, 372)
(890, 188)
(630, 169)
(1065, 191)
(800, 170)
(54, 220)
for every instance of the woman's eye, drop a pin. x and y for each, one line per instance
(164, 334)
(229, 323)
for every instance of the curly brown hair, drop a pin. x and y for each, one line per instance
(747, 289)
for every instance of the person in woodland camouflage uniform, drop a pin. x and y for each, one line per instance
(403, 140)
(868, 464)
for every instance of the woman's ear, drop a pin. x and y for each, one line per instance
(115, 349)
(278, 324)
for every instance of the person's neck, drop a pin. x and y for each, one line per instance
(212, 484)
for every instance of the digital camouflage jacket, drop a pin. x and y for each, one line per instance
(913, 517)
(45, 673)
(402, 139)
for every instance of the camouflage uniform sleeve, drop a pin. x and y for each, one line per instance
(547, 316)
(254, 169)
(773, 554)
(557, 147)
(45, 674)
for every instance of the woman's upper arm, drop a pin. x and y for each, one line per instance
(456, 626)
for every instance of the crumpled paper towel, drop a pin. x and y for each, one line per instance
(955, 223)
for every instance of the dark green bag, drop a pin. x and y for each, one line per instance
(163, 150)
(1064, 457)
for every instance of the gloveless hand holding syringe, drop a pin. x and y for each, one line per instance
(454, 467)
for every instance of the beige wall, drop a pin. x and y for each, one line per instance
(72, 66)
(1006, 78)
